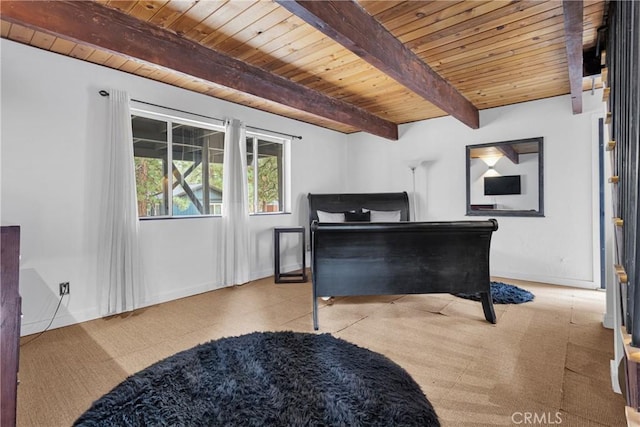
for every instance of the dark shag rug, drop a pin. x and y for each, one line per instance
(267, 379)
(503, 293)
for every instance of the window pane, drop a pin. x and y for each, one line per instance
(270, 176)
(194, 191)
(150, 157)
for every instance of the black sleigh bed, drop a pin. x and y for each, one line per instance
(358, 257)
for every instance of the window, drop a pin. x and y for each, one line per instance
(192, 152)
(265, 174)
(179, 166)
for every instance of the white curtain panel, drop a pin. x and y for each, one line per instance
(235, 211)
(119, 270)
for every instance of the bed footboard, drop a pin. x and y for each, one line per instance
(402, 258)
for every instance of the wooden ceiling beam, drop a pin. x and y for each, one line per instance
(509, 153)
(92, 24)
(350, 25)
(573, 28)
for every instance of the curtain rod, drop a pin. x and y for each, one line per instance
(105, 93)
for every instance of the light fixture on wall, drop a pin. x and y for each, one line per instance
(491, 160)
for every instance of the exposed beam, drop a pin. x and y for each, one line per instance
(573, 22)
(350, 25)
(509, 153)
(92, 24)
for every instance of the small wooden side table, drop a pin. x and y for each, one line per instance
(289, 277)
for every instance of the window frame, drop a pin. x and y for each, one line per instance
(158, 113)
(286, 168)
(169, 117)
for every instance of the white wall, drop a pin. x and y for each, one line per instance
(53, 133)
(555, 249)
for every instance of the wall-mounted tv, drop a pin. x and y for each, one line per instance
(500, 185)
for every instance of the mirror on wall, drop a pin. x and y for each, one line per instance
(505, 178)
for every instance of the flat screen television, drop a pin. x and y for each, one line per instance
(500, 185)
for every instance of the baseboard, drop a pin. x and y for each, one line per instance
(608, 320)
(60, 321)
(71, 318)
(576, 283)
(615, 382)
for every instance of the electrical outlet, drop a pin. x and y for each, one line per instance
(64, 288)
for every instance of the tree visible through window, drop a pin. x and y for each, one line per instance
(179, 168)
(265, 175)
(192, 154)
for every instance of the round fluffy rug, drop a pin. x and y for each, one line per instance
(503, 293)
(267, 379)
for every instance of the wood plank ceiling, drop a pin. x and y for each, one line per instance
(493, 53)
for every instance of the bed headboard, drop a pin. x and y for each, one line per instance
(349, 202)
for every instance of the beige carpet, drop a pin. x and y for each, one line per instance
(548, 358)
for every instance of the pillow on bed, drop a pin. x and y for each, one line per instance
(357, 216)
(385, 216)
(330, 216)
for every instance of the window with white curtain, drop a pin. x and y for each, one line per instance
(179, 165)
(266, 174)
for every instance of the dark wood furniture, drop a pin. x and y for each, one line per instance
(10, 327)
(293, 277)
(360, 258)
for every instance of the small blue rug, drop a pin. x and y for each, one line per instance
(503, 293)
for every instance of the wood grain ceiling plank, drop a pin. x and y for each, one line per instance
(119, 33)
(523, 58)
(321, 53)
(287, 44)
(146, 9)
(516, 97)
(42, 40)
(297, 53)
(490, 25)
(459, 12)
(556, 80)
(5, 27)
(247, 18)
(62, 46)
(503, 59)
(544, 68)
(258, 42)
(81, 51)
(410, 16)
(249, 35)
(499, 21)
(573, 29)
(21, 33)
(375, 7)
(115, 61)
(530, 36)
(487, 55)
(350, 25)
(99, 57)
(170, 12)
(189, 22)
(122, 5)
(130, 66)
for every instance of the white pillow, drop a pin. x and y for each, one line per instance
(385, 216)
(330, 216)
